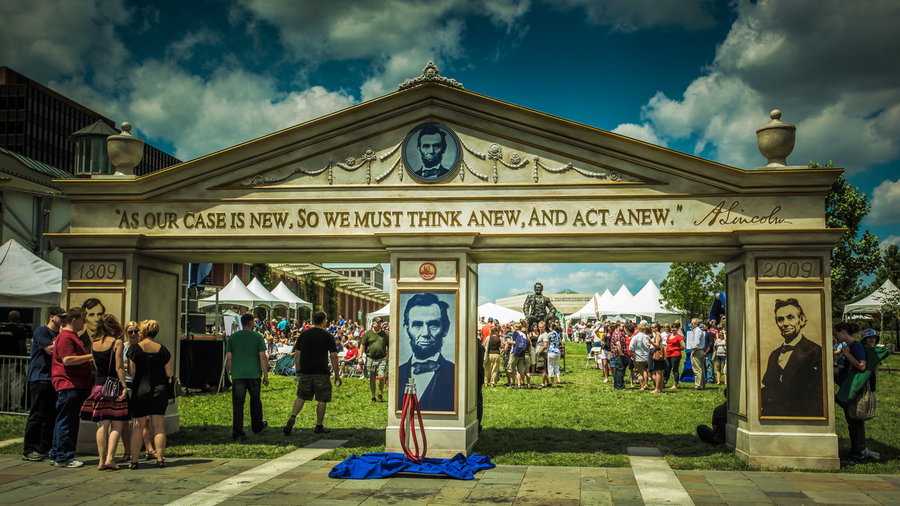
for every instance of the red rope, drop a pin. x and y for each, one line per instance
(408, 416)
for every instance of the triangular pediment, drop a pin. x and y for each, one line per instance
(489, 144)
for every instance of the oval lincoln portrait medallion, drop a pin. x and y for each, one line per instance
(431, 153)
(428, 271)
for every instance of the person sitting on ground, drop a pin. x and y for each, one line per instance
(350, 358)
(715, 435)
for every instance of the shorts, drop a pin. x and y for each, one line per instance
(604, 354)
(517, 364)
(540, 362)
(640, 367)
(720, 358)
(376, 368)
(314, 385)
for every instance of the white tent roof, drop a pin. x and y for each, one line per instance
(500, 313)
(25, 279)
(384, 312)
(620, 304)
(284, 293)
(270, 299)
(234, 293)
(873, 302)
(648, 301)
(592, 307)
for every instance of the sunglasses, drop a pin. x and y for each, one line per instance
(132, 331)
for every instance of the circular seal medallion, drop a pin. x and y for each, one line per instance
(431, 153)
(427, 271)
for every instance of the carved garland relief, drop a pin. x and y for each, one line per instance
(433, 153)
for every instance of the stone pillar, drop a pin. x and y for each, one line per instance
(780, 400)
(440, 291)
(132, 287)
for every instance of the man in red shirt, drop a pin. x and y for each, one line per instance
(72, 380)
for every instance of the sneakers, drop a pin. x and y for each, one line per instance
(320, 429)
(869, 454)
(289, 425)
(33, 457)
(264, 425)
(71, 464)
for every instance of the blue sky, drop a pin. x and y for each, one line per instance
(694, 75)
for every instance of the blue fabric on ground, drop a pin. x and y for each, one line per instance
(384, 464)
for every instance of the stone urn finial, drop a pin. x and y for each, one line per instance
(125, 150)
(776, 140)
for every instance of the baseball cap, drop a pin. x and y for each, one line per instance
(58, 311)
(868, 333)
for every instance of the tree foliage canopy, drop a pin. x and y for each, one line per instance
(856, 254)
(689, 286)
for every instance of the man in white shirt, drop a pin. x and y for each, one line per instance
(695, 342)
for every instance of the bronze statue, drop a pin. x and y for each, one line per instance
(537, 306)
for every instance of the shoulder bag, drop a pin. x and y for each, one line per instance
(112, 387)
(863, 407)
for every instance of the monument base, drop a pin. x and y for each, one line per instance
(87, 431)
(443, 442)
(777, 450)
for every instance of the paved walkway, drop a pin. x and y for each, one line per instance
(296, 479)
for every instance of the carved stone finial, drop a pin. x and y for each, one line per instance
(776, 140)
(430, 74)
(125, 150)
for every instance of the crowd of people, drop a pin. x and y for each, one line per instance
(119, 377)
(122, 379)
(650, 353)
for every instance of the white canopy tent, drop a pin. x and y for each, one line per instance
(284, 293)
(234, 294)
(384, 312)
(25, 279)
(592, 308)
(620, 303)
(499, 313)
(648, 302)
(872, 303)
(260, 291)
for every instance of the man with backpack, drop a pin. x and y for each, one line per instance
(520, 346)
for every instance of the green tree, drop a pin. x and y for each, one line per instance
(689, 286)
(856, 253)
(888, 268)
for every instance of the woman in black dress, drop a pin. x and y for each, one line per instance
(150, 365)
(111, 415)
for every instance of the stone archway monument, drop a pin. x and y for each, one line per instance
(435, 179)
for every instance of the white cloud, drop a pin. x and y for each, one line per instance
(397, 68)
(58, 37)
(632, 15)
(642, 132)
(885, 203)
(846, 105)
(889, 240)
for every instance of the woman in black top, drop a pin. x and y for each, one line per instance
(150, 364)
(110, 415)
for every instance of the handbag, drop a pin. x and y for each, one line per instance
(863, 407)
(112, 388)
(659, 354)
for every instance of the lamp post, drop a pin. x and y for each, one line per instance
(125, 151)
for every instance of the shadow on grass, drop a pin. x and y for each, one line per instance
(504, 441)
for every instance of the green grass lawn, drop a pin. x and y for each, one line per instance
(584, 423)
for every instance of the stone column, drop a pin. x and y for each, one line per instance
(440, 292)
(781, 400)
(132, 287)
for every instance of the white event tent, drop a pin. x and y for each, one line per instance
(873, 302)
(384, 312)
(648, 302)
(234, 294)
(284, 293)
(268, 297)
(499, 313)
(620, 303)
(592, 308)
(25, 279)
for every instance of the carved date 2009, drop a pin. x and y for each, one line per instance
(789, 268)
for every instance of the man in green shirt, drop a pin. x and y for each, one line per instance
(246, 360)
(374, 345)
